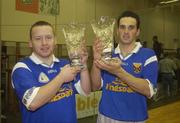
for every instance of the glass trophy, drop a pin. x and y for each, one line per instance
(103, 30)
(74, 38)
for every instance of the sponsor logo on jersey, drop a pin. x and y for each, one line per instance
(52, 71)
(62, 93)
(118, 86)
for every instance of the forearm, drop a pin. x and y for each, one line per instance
(137, 84)
(46, 93)
(95, 77)
(85, 81)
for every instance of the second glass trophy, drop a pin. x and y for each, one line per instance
(103, 29)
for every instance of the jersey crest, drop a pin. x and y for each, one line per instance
(137, 67)
(43, 78)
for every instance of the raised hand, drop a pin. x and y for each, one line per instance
(97, 49)
(112, 66)
(68, 73)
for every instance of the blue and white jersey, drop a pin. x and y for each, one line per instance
(118, 100)
(30, 74)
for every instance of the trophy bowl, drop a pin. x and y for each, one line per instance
(74, 38)
(103, 29)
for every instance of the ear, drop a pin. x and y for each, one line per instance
(30, 43)
(55, 40)
(117, 32)
(138, 32)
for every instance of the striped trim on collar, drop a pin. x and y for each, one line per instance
(135, 50)
(36, 60)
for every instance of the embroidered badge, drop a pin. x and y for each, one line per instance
(137, 67)
(43, 78)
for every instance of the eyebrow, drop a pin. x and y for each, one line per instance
(127, 25)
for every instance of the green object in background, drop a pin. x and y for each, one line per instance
(27, 1)
(49, 7)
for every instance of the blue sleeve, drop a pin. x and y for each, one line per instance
(150, 71)
(22, 80)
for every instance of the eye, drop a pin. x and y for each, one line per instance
(49, 37)
(37, 38)
(131, 27)
(122, 27)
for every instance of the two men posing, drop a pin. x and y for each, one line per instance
(46, 86)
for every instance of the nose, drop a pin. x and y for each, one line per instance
(126, 30)
(44, 41)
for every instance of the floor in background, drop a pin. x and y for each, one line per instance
(167, 110)
(91, 119)
(16, 119)
(165, 114)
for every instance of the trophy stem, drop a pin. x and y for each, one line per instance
(75, 61)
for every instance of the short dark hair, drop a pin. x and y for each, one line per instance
(130, 14)
(40, 23)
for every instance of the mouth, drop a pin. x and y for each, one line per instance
(126, 37)
(44, 49)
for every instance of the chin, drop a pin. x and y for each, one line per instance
(126, 42)
(46, 55)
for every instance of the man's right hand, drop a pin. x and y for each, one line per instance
(68, 73)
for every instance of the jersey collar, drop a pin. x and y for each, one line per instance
(135, 50)
(36, 60)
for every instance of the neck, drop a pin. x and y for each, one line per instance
(46, 60)
(126, 48)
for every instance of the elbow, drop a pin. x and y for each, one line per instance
(149, 94)
(87, 92)
(33, 107)
(96, 86)
(95, 89)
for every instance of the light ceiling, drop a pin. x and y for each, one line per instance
(166, 2)
(175, 5)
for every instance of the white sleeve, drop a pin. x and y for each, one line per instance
(101, 83)
(29, 95)
(79, 88)
(152, 89)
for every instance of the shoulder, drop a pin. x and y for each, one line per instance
(21, 64)
(147, 51)
(148, 55)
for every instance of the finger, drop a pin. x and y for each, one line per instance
(106, 62)
(73, 71)
(76, 68)
(85, 54)
(66, 66)
(100, 64)
(115, 59)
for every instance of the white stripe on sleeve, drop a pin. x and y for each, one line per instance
(150, 60)
(19, 65)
